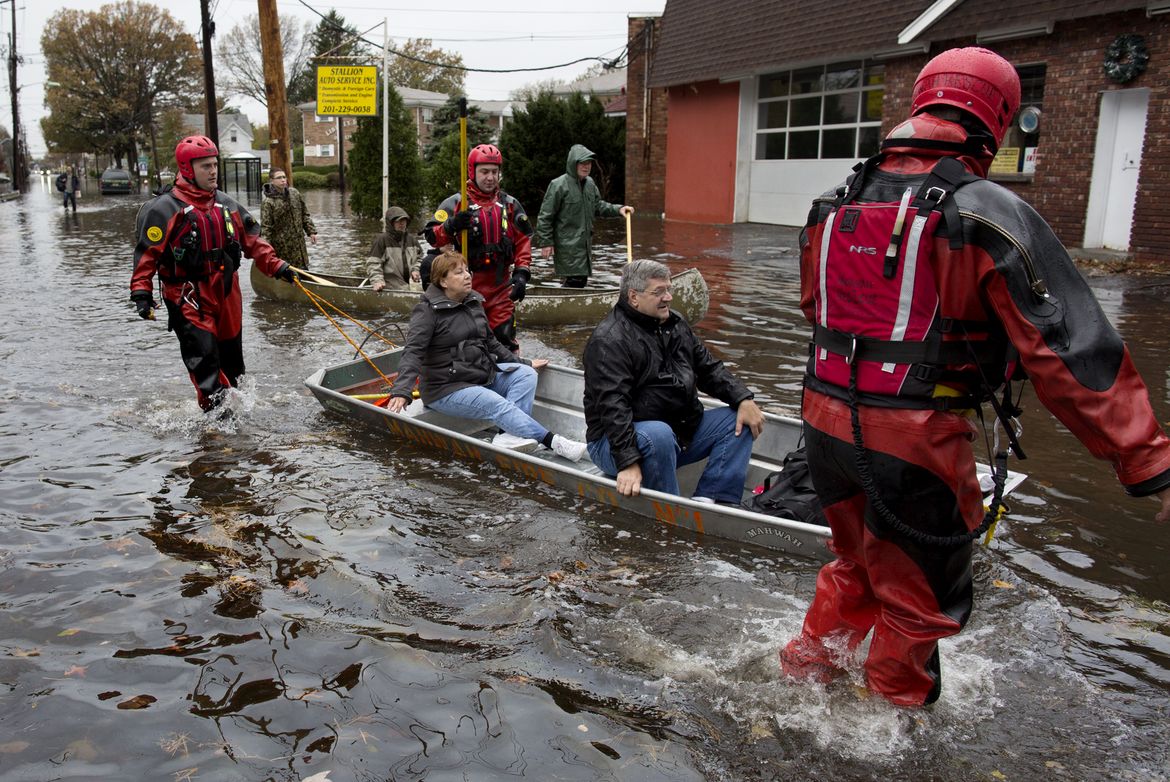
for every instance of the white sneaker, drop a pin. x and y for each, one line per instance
(568, 449)
(514, 442)
(704, 500)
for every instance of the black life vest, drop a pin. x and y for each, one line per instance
(491, 248)
(205, 242)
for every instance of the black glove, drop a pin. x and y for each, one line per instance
(458, 222)
(519, 284)
(144, 302)
(286, 273)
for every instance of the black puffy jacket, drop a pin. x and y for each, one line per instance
(639, 368)
(449, 346)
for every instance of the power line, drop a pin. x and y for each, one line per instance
(466, 69)
(477, 11)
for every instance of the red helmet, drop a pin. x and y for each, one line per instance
(483, 154)
(193, 148)
(976, 80)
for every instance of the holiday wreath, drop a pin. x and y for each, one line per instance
(1126, 58)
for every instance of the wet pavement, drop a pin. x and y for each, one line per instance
(286, 595)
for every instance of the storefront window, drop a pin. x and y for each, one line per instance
(825, 112)
(1017, 153)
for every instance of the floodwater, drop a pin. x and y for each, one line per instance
(289, 597)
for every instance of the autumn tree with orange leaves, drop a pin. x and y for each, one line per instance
(113, 72)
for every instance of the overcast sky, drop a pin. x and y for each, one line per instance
(512, 34)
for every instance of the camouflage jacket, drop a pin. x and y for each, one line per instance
(285, 222)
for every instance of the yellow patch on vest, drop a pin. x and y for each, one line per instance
(154, 234)
(441, 215)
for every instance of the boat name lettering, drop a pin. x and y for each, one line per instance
(778, 533)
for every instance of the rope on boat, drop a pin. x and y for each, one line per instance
(317, 301)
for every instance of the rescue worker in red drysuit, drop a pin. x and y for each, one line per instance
(193, 236)
(1011, 284)
(498, 235)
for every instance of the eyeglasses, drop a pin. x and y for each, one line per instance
(658, 293)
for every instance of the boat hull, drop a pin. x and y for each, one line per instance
(543, 306)
(558, 407)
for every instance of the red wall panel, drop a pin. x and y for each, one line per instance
(700, 152)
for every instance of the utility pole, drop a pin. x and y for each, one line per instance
(341, 154)
(272, 54)
(18, 175)
(212, 120)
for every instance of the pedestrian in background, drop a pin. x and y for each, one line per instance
(285, 220)
(68, 183)
(564, 227)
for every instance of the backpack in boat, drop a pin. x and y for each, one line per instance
(877, 300)
(788, 493)
(62, 182)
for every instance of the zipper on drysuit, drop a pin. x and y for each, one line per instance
(1036, 284)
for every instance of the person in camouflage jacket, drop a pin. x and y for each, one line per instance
(285, 220)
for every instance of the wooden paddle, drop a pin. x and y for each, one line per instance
(308, 275)
(462, 170)
(629, 241)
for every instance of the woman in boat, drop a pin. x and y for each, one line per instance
(463, 370)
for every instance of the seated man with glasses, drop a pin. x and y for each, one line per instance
(644, 368)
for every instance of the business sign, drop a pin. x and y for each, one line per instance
(1007, 161)
(347, 90)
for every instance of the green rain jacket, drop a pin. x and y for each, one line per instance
(566, 217)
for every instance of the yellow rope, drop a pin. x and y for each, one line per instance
(317, 300)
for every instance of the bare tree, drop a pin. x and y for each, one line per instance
(239, 54)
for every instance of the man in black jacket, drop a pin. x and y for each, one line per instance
(644, 368)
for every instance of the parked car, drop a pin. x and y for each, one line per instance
(114, 180)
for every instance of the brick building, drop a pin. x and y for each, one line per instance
(744, 111)
(320, 135)
(321, 132)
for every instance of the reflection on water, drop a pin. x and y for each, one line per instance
(284, 595)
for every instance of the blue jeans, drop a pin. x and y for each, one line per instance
(727, 456)
(506, 401)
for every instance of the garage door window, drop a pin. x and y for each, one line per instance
(830, 111)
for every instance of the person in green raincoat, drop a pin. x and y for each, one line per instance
(564, 227)
(285, 220)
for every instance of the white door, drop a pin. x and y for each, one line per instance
(1116, 164)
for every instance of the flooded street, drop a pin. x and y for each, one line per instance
(288, 595)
